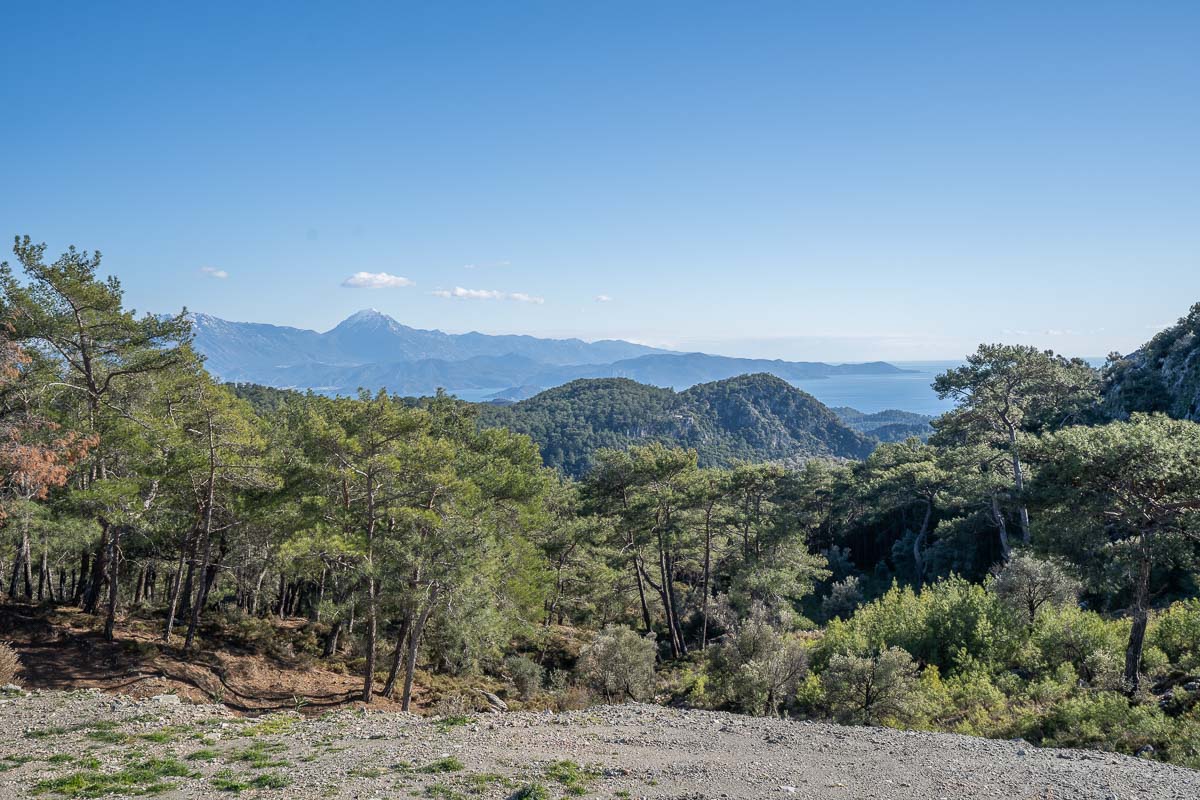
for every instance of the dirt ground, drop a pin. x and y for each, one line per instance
(64, 649)
(76, 743)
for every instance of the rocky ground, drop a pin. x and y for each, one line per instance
(88, 744)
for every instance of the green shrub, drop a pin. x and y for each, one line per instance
(619, 664)
(1176, 632)
(756, 669)
(527, 675)
(871, 689)
(946, 620)
(1092, 645)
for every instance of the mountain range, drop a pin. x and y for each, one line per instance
(371, 350)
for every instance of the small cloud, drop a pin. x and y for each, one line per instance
(375, 280)
(602, 298)
(1060, 332)
(213, 272)
(492, 265)
(488, 294)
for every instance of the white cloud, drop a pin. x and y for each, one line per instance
(213, 272)
(488, 294)
(487, 266)
(375, 280)
(602, 298)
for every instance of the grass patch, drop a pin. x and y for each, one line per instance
(12, 762)
(46, 733)
(480, 782)
(140, 778)
(203, 754)
(441, 791)
(108, 736)
(227, 781)
(573, 778)
(271, 726)
(452, 721)
(260, 755)
(532, 791)
(447, 764)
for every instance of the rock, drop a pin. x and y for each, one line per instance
(166, 699)
(1146, 752)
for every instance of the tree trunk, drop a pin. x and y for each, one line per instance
(414, 641)
(331, 641)
(919, 544)
(114, 580)
(372, 632)
(176, 588)
(397, 656)
(1137, 634)
(91, 595)
(201, 591)
(1019, 482)
(1001, 528)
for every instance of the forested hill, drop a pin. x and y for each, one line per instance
(750, 417)
(1161, 375)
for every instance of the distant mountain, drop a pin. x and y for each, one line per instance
(250, 351)
(371, 350)
(1162, 375)
(756, 417)
(886, 426)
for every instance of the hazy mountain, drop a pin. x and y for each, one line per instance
(371, 350)
(751, 417)
(243, 350)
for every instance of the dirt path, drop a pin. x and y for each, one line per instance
(82, 739)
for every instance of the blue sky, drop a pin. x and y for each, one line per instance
(835, 180)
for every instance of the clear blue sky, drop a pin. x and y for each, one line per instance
(837, 180)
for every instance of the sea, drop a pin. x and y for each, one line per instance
(911, 390)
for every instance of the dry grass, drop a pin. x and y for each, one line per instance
(9, 664)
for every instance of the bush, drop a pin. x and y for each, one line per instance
(526, 675)
(1026, 584)
(870, 689)
(757, 669)
(10, 664)
(843, 598)
(1176, 632)
(619, 664)
(938, 626)
(1094, 646)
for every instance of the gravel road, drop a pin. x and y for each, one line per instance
(63, 742)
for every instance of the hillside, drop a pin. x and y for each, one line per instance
(751, 417)
(1162, 375)
(89, 745)
(886, 426)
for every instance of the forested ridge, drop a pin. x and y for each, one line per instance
(1028, 571)
(750, 418)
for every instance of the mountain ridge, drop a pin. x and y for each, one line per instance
(372, 350)
(758, 417)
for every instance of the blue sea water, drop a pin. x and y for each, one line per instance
(910, 390)
(906, 391)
